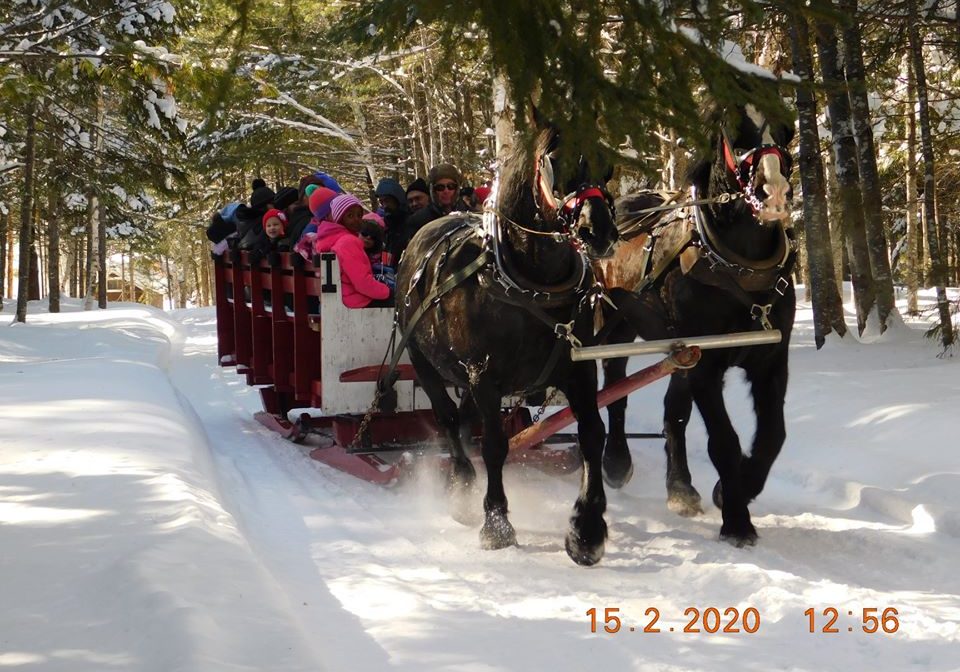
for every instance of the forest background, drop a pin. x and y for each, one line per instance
(125, 124)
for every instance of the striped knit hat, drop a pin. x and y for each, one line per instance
(341, 204)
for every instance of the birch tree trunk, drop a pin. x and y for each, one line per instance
(366, 151)
(827, 304)
(847, 171)
(937, 269)
(68, 270)
(503, 115)
(877, 248)
(26, 211)
(913, 230)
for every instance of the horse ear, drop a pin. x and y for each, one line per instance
(536, 117)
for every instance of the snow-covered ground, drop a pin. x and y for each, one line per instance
(147, 522)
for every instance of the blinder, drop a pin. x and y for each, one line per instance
(568, 208)
(744, 167)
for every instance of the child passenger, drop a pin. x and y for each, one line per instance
(374, 237)
(339, 235)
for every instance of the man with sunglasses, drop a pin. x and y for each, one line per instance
(444, 181)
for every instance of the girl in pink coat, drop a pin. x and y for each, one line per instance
(339, 235)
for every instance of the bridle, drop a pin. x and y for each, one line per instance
(743, 168)
(553, 207)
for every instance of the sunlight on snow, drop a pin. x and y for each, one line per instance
(923, 522)
(18, 658)
(374, 599)
(14, 513)
(886, 414)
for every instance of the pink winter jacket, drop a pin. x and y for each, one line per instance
(356, 275)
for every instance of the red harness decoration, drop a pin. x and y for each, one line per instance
(570, 205)
(743, 170)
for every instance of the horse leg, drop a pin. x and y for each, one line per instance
(639, 314)
(682, 497)
(617, 462)
(723, 446)
(497, 532)
(462, 474)
(468, 417)
(769, 387)
(588, 529)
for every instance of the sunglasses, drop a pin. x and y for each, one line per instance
(445, 187)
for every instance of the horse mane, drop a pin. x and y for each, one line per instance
(698, 173)
(515, 191)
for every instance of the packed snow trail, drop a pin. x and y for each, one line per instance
(848, 522)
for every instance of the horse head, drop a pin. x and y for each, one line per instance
(752, 153)
(571, 195)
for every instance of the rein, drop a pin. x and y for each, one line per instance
(634, 225)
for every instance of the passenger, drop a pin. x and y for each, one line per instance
(339, 235)
(418, 195)
(286, 197)
(274, 226)
(222, 230)
(481, 194)
(372, 235)
(320, 200)
(328, 182)
(445, 181)
(298, 215)
(393, 201)
(250, 219)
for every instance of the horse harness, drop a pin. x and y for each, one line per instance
(702, 255)
(500, 279)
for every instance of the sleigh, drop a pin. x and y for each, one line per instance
(282, 324)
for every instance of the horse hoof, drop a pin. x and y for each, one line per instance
(740, 540)
(582, 553)
(497, 532)
(616, 477)
(464, 506)
(684, 501)
(718, 495)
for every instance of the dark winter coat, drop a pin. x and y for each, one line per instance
(297, 220)
(249, 226)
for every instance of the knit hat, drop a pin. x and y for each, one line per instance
(341, 204)
(307, 180)
(286, 196)
(446, 171)
(261, 196)
(320, 202)
(328, 181)
(219, 228)
(482, 193)
(419, 184)
(390, 187)
(273, 212)
(257, 183)
(310, 188)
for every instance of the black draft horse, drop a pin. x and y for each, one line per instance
(501, 304)
(720, 267)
